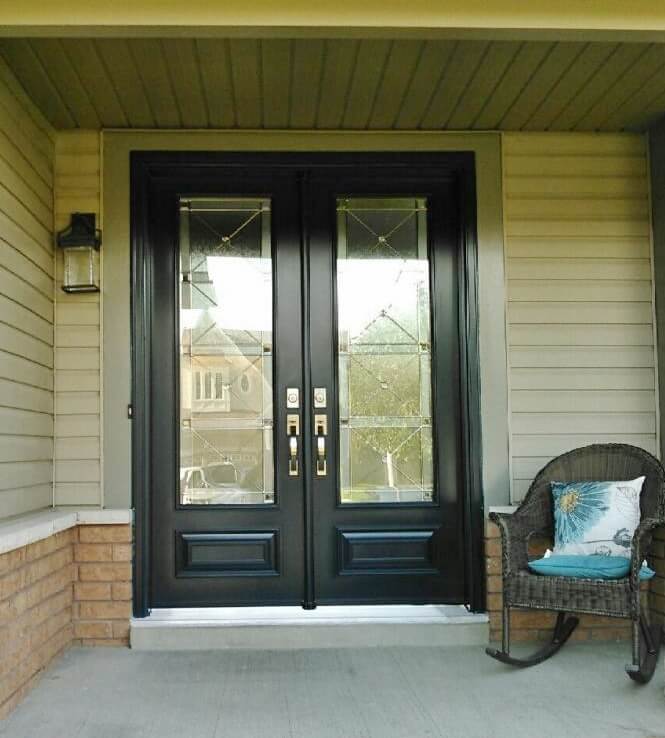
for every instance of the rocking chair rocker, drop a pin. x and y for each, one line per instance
(619, 598)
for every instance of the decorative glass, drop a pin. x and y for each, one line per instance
(384, 345)
(80, 269)
(226, 414)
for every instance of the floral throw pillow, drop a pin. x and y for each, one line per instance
(596, 517)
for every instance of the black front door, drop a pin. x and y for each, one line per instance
(303, 425)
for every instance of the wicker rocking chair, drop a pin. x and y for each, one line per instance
(618, 598)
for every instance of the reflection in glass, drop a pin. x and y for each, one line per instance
(226, 442)
(384, 344)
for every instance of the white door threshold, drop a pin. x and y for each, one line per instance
(331, 626)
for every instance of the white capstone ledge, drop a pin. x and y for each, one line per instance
(104, 517)
(503, 508)
(33, 527)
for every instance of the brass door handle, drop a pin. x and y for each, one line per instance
(293, 431)
(321, 464)
(320, 433)
(293, 456)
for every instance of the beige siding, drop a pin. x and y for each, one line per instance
(26, 303)
(579, 290)
(77, 344)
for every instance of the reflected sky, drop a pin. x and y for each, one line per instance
(366, 287)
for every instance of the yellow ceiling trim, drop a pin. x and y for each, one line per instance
(565, 17)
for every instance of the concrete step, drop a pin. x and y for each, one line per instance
(290, 628)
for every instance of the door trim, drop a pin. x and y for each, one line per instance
(145, 165)
(140, 390)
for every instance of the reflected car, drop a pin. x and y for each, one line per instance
(213, 484)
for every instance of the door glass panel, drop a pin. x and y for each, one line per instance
(226, 436)
(384, 350)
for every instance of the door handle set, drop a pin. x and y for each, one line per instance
(293, 430)
(321, 430)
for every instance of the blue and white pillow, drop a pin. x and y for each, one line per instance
(596, 517)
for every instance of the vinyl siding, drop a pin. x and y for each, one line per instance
(579, 290)
(26, 303)
(78, 468)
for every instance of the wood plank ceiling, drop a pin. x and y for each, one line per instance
(341, 83)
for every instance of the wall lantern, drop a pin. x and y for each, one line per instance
(80, 243)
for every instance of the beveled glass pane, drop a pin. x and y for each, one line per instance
(383, 384)
(226, 443)
(384, 350)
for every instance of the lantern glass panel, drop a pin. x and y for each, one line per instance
(81, 269)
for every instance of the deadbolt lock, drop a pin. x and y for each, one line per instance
(320, 397)
(292, 398)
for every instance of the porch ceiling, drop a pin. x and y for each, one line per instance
(341, 83)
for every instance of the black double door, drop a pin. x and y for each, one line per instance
(304, 415)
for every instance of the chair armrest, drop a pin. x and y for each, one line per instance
(640, 545)
(516, 529)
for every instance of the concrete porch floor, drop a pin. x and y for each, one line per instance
(349, 693)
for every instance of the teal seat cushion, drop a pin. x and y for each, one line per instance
(587, 567)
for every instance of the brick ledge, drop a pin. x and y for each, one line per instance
(32, 527)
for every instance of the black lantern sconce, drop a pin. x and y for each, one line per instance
(80, 243)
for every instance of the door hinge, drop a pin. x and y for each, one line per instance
(130, 411)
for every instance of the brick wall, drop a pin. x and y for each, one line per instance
(102, 586)
(35, 612)
(534, 625)
(73, 587)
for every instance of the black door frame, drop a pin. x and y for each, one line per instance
(149, 166)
